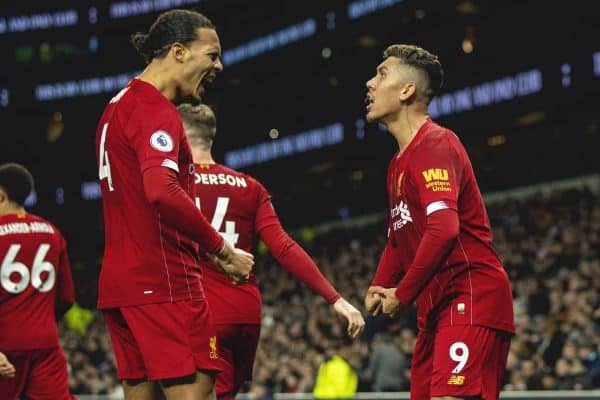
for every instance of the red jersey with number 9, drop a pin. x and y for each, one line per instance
(35, 276)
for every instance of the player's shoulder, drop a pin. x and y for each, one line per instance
(436, 135)
(34, 224)
(235, 172)
(250, 180)
(140, 99)
(44, 224)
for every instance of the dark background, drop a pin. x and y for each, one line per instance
(549, 135)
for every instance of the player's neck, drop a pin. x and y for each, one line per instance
(201, 156)
(157, 75)
(406, 125)
(9, 208)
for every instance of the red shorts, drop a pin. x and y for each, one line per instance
(162, 341)
(40, 375)
(237, 349)
(459, 361)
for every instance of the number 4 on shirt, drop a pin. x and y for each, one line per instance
(217, 220)
(104, 165)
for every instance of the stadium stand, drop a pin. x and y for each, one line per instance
(548, 238)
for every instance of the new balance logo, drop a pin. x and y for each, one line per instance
(401, 210)
(435, 174)
(456, 380)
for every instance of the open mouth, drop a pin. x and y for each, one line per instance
(206, 82)
(369, 101)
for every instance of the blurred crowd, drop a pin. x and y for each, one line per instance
(550, 246)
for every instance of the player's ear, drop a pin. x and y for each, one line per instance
(407, 91)
(178, 50)
(3, 196)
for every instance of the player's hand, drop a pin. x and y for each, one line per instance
(390, 304)
(373, 300)
(236, 263)
(356, 323)
(6, 368)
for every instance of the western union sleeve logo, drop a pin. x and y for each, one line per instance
(456, 380)
(436, 180)
(435, 174)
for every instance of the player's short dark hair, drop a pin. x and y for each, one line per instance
(200, 124)
(421, 59)
(16, 181)
(170, 27)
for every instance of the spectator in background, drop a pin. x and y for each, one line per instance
(337, 379)
(296, 327)
(387, 366)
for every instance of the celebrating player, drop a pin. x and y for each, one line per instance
(150, 289)
(439, 251)
(35, 288)
(241, 207)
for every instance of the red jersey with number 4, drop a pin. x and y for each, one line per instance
(145, 259)
(35, 277)
(470, 287)
(240, 207)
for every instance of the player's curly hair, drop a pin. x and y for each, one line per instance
(170, 27)
(200, 124)
(16, 181)
(419, 58)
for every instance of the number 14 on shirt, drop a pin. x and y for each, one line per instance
(217, 220)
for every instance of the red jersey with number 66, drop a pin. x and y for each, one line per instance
(35, 279)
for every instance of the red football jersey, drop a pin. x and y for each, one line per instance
(35, 277)
(471, 288)
(145, 259)
(239, 206)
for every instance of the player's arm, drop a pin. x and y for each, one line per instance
(156, 142)
(441, 232)
(437, 171)
(176, 209)
(387, 275)
(293, 258)
(389, 269)
(65, 290)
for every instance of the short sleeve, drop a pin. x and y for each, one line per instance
(265, 213)
(436, 169)
(156, 137)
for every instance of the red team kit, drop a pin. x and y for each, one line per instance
(241, 209)
(35, 277)
(465, 309)
(150, 282)
(155, 279)
(138, 306)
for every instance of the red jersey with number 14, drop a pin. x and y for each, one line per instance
(35, 277)
(470, 287)
(145, 259)
(240, 206)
